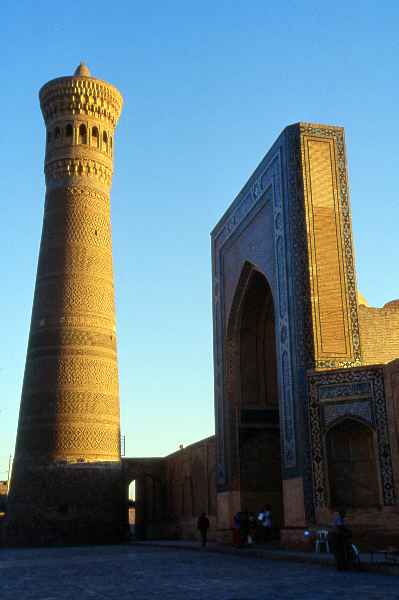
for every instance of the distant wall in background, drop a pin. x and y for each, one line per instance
(190, 488)
(379, 333)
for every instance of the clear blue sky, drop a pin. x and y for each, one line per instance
(207, 86)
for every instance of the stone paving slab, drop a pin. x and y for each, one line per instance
(142, 572)
(258, 551)
(368, 561)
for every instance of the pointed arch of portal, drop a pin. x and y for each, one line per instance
(253, 444)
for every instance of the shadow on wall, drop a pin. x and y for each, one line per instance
(190, 489)
(171, 492)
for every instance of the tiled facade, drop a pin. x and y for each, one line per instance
(291, 226)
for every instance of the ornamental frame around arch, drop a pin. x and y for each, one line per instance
(356, 388)
(266, 185)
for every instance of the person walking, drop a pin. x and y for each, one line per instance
(203, 526)
(339, 539)
(236, 529)
(244, 527)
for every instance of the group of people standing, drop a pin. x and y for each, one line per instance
(249, 528)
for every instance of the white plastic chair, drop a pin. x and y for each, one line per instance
(322, 544)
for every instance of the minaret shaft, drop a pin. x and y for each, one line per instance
(69, 417)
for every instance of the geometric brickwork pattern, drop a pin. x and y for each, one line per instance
(81, 96)
(330, 248)
(337, 395)
(70, 400)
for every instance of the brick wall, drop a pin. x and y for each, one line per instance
(329, 266)
(379, 333)
(190, 488)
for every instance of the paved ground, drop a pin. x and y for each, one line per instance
(141, 573)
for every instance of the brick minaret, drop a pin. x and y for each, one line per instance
(66, 483)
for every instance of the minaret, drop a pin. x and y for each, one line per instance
(66, 483)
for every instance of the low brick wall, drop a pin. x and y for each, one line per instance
(379, 333)
(173, 491)
(191, 486)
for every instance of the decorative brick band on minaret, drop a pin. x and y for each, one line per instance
(69, 416)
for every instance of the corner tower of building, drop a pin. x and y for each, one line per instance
(67, 466)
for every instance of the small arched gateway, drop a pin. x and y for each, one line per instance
(144, 496)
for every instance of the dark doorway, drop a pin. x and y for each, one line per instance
(258, 412)
(132, 508)
(351, 465)
(145, 504)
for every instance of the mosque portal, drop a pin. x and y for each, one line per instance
(303, 422)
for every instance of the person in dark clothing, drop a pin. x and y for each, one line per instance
(203, 526)
(252, 526)
(236, 529)
(244, 527)
(339, 539)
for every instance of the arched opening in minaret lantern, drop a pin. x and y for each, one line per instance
(82, 134)
(69, 133)
(105, 141)
(94, 137)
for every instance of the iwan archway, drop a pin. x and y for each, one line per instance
(254, 396)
